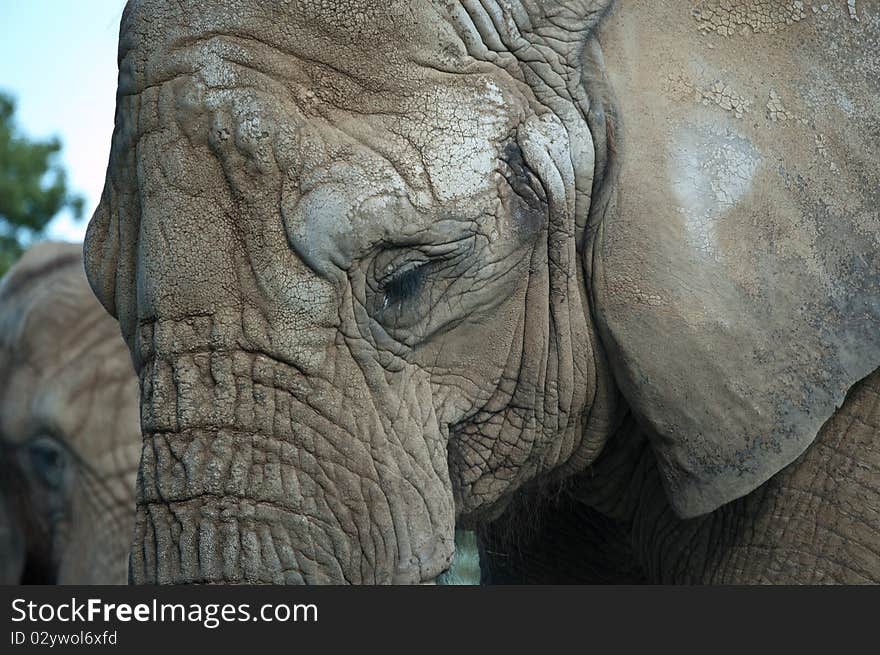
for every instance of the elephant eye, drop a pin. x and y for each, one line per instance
(398, 299)
(49, 461)
(406, 283)
(403, 285)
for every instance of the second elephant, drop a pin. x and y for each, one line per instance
(69, 427)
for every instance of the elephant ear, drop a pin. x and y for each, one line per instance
(735, 273)
(108, 249)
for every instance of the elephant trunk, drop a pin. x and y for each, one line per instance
(251, 473)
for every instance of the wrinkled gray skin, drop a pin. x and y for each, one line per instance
(382, 266)
(69, 430)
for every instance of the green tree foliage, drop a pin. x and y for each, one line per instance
(33, 187)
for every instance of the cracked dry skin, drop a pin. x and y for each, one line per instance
(381, 265)
(69, 433)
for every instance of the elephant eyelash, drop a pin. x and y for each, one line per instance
(403, 285)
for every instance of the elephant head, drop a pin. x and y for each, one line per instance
(69, 433)
(380, 265)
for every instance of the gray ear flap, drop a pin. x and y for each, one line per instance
(110, 247)
(100, 253)
(736, 275)
(108, 251)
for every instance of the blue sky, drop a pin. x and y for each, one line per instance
(58, 59)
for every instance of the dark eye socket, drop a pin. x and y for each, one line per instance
(49, 461)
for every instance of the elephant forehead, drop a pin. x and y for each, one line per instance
(16, 392)
(366, 176)
(56, 341)
(444, 141)
(60, 372)
(374, 42)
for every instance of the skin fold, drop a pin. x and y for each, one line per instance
(69, 427)
(390, 269)
(815, 522)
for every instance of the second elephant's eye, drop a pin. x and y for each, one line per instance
(49, 461)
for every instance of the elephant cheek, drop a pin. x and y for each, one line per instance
(12, 546)
(249, 473)
(98, 539)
